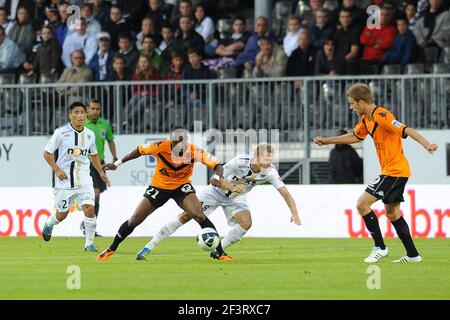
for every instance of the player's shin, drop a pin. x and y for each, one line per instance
(90, 225)
(164, 233)
(124, 231)
(234, 235)
(401, 226)
(52, 220)
(371, 221)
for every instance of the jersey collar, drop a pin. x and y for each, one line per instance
(75, 129)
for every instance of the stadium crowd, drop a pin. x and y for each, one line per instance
(153, 39)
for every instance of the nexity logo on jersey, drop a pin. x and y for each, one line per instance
(78, 152)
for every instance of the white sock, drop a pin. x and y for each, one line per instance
(234, 235)
(90, 224)
(52, 221)
(164, 233)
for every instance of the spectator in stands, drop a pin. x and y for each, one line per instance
(22, 32)
(347, 38)
(149, 49)
(167, 43)
(52, 17)
(93, 26)
(101, 62)
(158, 13)
(37, 14)
(13, 6)
(76, 73)
(61, 27)
(134, 11)
(80, 39)
(307, 17)
(290, 41)
(248, 56)
(433, 29)
(302, 60)
(322, 29)
(346, 166)
(116, 26)
(378, 41)
(4, 20)
(188, 38)
(120, 72)
(142, 95)
(11, 56)
(195, 70)
(411, 11)
(358, 15)
(184, 10)
(327, 61)
(403, 46)
(101, 12)
(48, 55)
(270, 61)
(128, 51)
(174, 91)
(147, 28)
(204, 26)
(230, 47)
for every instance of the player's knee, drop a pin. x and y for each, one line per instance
(184, 218)
(362, 207)
(246, 224)
(89, 211)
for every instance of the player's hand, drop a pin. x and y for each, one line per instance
(105, 179)
(61, 174)
(296, 219)
(109, 166)
(431, 148)
(320, 141)
(238, 188)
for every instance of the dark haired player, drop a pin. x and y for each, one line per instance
(69, 153)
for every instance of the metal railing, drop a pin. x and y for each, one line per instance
(298, 107)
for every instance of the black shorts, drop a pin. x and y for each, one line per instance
(96, 180)
(388, 189)
(158, 197)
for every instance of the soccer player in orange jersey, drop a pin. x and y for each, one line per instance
(387, 134)
(175, 163)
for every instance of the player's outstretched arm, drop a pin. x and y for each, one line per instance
(95, 160)
(217, 177)
(131, 156)
(430, 147)
(348, 138)
(49, 157)
(291, 204)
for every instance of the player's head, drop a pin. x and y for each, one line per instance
(77, 114)
(179, 139)
(264, 155)
(360, 98)
(94, 109)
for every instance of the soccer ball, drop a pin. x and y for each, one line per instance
(208, 239)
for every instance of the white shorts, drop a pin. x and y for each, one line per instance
(212, 199)
(64, 198)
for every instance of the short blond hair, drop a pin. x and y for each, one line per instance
(262, 148)
(360, 91)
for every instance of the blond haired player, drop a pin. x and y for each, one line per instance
(387, 133)
(240, 175)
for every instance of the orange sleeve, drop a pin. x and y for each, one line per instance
(360, 130)
(206, 158)
(149, 149)
(387, 121)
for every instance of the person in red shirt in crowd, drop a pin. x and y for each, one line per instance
(378, 41)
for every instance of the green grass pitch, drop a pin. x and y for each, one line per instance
(263, 269)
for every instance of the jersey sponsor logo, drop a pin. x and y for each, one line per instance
(103, 133)
(78, 152)
(397, 123)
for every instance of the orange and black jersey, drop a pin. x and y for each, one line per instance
(387, 134)
(172, 171)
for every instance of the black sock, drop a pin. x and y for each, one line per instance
(124, 231)
(372, 225)
(97, 208)
(403, 233)
(208, 224)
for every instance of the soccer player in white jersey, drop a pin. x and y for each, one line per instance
(240, 175)
(69, 153)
